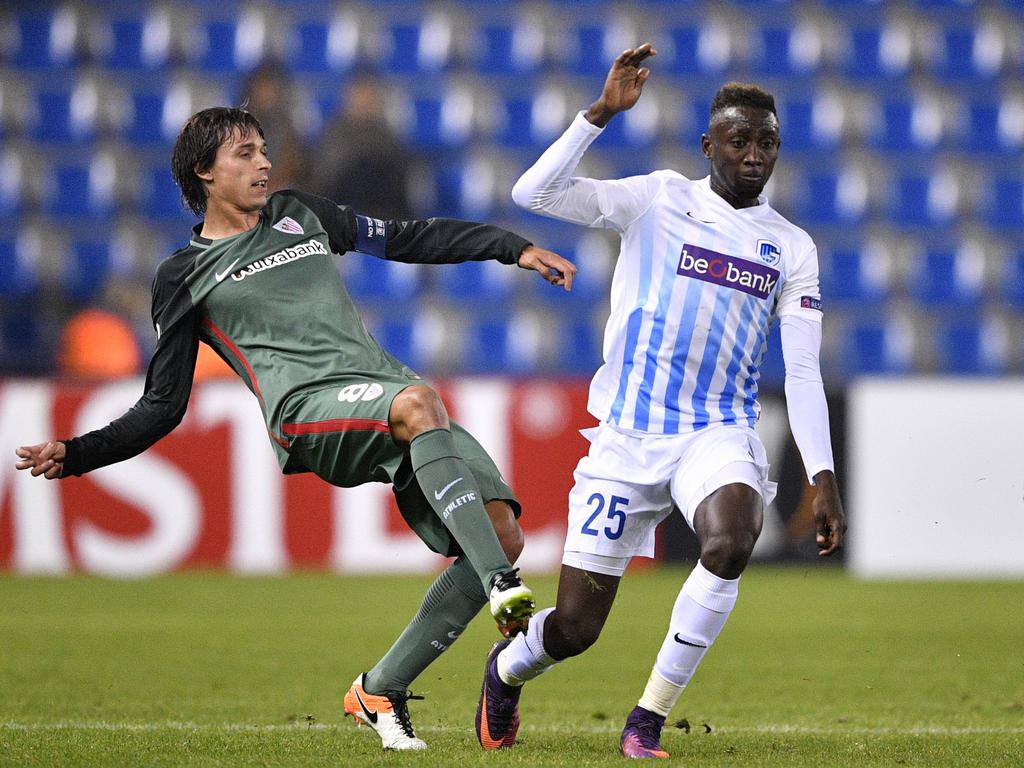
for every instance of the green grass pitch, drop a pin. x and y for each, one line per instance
(813, 669)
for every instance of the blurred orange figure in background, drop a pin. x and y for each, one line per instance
(97, 344)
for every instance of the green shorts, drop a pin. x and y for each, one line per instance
(341, 433)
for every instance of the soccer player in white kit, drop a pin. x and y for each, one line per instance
(705, 268)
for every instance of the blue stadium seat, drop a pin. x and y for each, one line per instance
(826, 198)
(418, 46)
(440, 120)
(534, 119)
(777, 54)
(507, 47)
(578, 348)
(326, 45)
(696, 50)
(919, 200)
(229, 49)
(467, 189)
(972, 347)
(982, 134)
(500, 346)
(908, 125)
(59, 120)
(486, 284)
(589, 49)
(367, 277)
(75, 193)
(875, 347)
(798, 128)
(397, 336)
(846, 277)
(1003, 206)
(18, 277)
(146, 125)
(965, 55)
(45, 40)
(88, 270)
(869, 59)
(945, 278)
(1011, 280)
(12, 184)
(138, 42)
(161, 197)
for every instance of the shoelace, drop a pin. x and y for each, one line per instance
(399, 703)
(506, 580)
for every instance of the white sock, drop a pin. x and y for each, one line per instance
(700, 612)
(525, 658)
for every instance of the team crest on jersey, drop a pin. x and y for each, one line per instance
(289, 226)
(768, 252)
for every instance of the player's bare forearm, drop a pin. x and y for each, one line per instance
(623, 86)
(46, 459)
(829, 518)
(549, 265)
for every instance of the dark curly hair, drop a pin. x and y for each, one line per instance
(741, 95)
(196, 148)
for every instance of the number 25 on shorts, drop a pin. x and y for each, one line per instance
(615, 516)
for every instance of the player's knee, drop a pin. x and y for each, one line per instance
(415, 410)
(726, 553)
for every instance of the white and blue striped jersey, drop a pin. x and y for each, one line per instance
(696, 289)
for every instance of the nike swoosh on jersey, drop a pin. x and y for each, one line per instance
(687, 642)
(443, 491)
(688, 213)
(221, 275)
(371, 716)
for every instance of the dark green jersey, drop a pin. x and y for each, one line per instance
(271, 302)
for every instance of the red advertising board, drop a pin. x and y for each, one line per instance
(210, 495)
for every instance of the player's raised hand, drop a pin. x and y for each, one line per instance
(623, 86)
(45, 459)
(829, 518)
(549, 265)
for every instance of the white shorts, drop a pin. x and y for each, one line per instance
(627, 484)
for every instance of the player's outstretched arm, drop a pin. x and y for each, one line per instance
(552, 267)
(46, 459)
(829, 518)
(623, 86)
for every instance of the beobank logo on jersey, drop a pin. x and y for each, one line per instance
(712, 267)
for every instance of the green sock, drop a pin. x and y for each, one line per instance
(450, 603)
(451, 490)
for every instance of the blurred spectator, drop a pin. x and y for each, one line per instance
(269, 94)
(209, 365)
(359, 160)
(97, 344)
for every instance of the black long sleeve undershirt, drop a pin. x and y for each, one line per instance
(159, 410)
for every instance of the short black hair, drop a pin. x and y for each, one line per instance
(196, 148)
(741, 95)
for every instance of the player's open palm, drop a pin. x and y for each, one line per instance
(43, 459)
(626, 78)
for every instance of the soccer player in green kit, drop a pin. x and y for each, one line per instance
(257, 283)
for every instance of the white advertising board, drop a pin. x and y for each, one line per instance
(936, 478)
